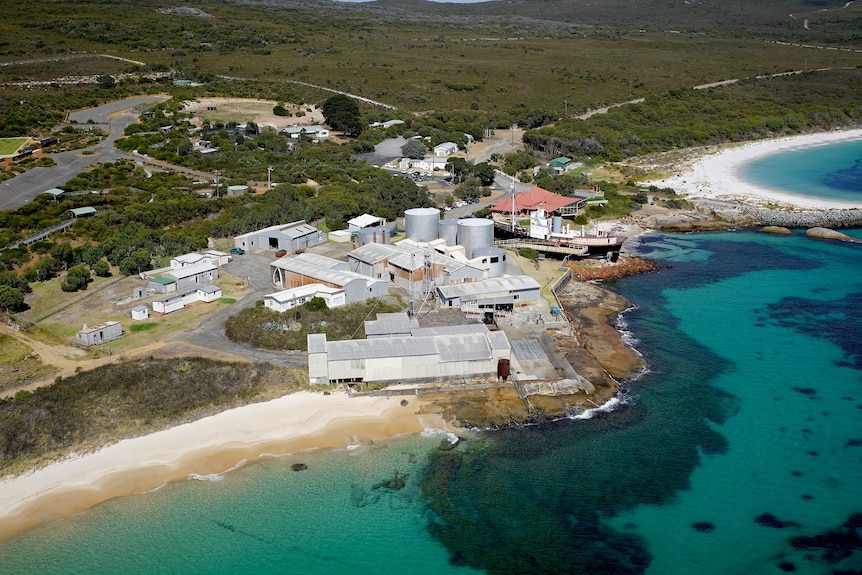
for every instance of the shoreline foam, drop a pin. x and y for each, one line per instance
(715, 174)
(201, 449)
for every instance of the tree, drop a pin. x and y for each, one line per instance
(136, 262)
(46, 269)
(485, 173)
(414, 148)
(77, 278)
(280, 110)
(251, 128)
(342, 113)
(106, 81)
(102, 269)
(11, 299)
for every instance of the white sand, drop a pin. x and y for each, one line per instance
(714, 174)
(208, 446)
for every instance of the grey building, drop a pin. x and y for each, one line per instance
(99, 334)
(494, 293)
(192, 276)
(302, 270)
(448, 357)
(290, 237)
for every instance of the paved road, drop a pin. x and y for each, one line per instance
(21, 190)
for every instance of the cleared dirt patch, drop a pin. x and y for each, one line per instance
(242, 110)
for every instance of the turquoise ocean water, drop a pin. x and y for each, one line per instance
(740, 452)
(832, 171)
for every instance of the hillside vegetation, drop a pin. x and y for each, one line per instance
(126, 399)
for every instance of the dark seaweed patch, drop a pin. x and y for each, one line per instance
(770, 520)
(805, 390)
(837, 544)
(787, 566)
(703, 527)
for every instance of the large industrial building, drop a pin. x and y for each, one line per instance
(290, 237)
(307, 269)
(456, 353)
(495, 293)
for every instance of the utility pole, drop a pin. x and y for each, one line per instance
(216, 181)
(565, 107)
(269, 178)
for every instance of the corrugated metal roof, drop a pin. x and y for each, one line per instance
(525, 349)
(377, 348)
(498, 340)
(463, 347)
(162, 281)
(319, 260)
(449, 329)
(189, 271)
(301, 291)
(335, 277)
(390, 323)
(299, 231)
(272, 230)
(505, 284)
(317, 343)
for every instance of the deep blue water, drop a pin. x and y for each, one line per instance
(830, 172)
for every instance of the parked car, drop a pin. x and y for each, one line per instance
(280, 253)
(237, 251)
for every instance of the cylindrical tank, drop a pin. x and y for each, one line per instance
(503, 368)
(421, 224)
(557, 224)
(375, 235)
(495, 258)
(475, 233)
(448, 231)
(236, 190)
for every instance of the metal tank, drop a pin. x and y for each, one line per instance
(234, 191)
(475, 233)
(495, 258)
(448, 230)
(557, 224)
(375, 235)
(421, 224)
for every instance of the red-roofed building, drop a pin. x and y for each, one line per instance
(533, 199)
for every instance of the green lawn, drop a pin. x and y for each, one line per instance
(9, 146)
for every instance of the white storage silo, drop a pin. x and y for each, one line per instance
(448, 231)
(475, 233)
(421, 224)
(495, 258)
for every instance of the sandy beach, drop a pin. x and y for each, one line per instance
(212, 445)
(713, 174)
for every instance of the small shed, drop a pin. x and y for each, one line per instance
(162, 284)
(209, 293)
(140, 312)
(85, 212)
(55, 193)
(560, 164)
(99, 334)
(139, 292)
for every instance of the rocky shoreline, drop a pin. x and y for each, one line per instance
(712, 215)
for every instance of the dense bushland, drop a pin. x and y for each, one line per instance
(262, 327)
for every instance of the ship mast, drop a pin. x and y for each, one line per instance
(513, 204)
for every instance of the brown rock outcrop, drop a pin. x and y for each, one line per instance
(778, 230)
(827, 234)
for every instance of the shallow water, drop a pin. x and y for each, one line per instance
(829, 172)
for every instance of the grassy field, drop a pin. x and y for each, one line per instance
(19, 365)
(9, 146)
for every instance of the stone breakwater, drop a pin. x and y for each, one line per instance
(789, 218)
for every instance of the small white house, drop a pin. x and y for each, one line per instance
(168, 304)
(445, 149)
(429, 163)
(208, 293)
(316, 131)
(140, 312)
(290, 298)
